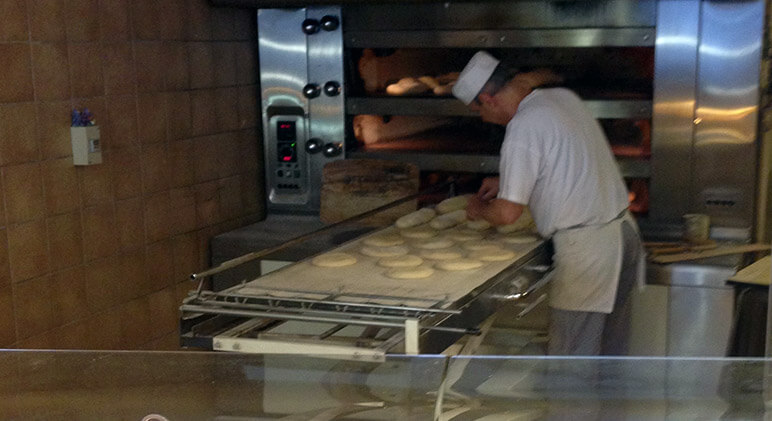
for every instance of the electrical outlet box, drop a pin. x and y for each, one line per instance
(86, 148)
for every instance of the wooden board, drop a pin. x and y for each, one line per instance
(353, 186)
(757, 273)
(719, 251)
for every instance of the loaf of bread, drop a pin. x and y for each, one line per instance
(407, 86)
(444, 90)
(370, 129)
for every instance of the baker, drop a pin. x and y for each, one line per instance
(556, 160)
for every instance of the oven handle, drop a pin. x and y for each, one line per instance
(549, 273)
(531, 306)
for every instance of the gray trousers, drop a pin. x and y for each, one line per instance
(590, 333)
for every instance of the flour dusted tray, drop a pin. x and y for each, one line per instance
(366, 281)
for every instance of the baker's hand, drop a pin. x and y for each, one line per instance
(489, 189)
(474, 208)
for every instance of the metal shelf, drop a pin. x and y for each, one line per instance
(452, 107)
(513, 38)
(407, 106)
(630, 168)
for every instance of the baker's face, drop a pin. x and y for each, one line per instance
(488, 111)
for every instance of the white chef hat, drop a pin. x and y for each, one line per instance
(474, 76)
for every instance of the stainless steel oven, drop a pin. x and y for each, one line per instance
(674, 82)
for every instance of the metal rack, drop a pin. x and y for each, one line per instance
(264, 312)
(453, 107)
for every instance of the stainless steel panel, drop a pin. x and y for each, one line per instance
(700, 307)
(283, 73)
(675, 67)
(727, 111)
(451, 106)
(689, 275)
(584, 37)
(327, 115)
(619, 108)
(290, 59)
(700, 321)
(500, 15)
(649, 319)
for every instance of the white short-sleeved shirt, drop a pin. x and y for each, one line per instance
(555, 158)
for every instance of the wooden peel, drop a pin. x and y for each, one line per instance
(668, 250)
(714, 252)
(655, 244)
(660, 248)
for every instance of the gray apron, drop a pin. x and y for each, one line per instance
(587, 261)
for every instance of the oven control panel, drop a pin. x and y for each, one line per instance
(287, 169)
(303, 114)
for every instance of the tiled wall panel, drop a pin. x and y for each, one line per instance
(99, 257)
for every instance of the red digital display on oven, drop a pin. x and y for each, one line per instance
(286, 141)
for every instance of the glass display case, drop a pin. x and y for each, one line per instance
(85, 385)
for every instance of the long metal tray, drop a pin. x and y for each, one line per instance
(356, 313)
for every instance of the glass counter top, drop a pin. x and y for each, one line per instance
(128, 385)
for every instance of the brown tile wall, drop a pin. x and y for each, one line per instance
(98, 257)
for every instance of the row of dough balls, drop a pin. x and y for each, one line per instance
(425, 236)
(409, 266)
(452, 212)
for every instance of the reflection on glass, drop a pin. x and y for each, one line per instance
(607, 388)
(79, 385)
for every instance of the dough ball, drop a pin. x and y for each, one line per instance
(423, 231)
(478, 225)
(421, 216)
(440, 254)
(524, 222)
(384, 240)
(333, 260)
(407, 260)
(519, 239)
(383, 251)
(459, 264)
(410, 273)
(447, 220)
(452, 204)
(481, 245)
(434, 243)
(492, 255)
(464, 235)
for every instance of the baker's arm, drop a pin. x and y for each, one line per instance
(496, 211)
(489, 188)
